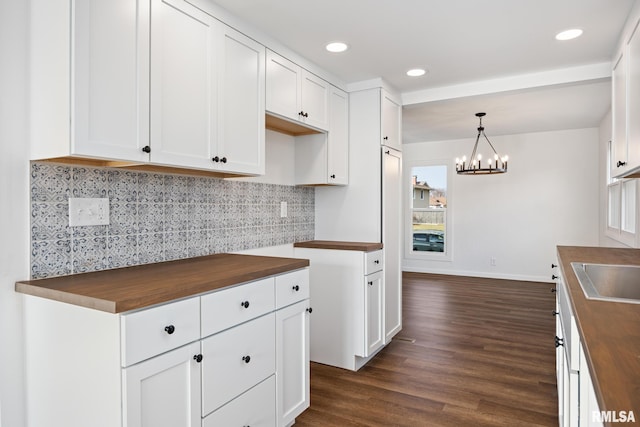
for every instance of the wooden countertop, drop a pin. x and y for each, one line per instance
(340, 245)
(131, 288)
(610, 332)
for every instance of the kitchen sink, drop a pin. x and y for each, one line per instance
(607, 282)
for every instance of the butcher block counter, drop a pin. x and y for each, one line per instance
(340, 245)
(132, 288)
(610, 331)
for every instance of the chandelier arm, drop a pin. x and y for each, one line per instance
(475, 148)
(490, 144)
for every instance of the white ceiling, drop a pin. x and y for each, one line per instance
(497, 56)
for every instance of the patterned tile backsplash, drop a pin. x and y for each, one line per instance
(156, 217)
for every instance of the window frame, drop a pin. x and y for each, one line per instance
(409, 253)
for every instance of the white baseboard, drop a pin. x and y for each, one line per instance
(519, 277)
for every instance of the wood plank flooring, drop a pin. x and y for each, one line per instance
(483, 355)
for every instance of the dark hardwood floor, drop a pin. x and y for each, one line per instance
(483, 356)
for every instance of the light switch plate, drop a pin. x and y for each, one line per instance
(88, 211)
(283, 209)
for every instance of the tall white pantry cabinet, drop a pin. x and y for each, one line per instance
(369, 208)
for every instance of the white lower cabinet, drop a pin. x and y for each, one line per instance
(347, 292)
(577, 403)
(373, 331)
(292, 349)
(590, 414)
(164, 391)
(179, 364)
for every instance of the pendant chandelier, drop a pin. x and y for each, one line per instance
(475, 165)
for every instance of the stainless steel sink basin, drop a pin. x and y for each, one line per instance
(618, 283)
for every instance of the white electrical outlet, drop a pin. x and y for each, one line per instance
(283, 209)
(88, 211)
(492, 261)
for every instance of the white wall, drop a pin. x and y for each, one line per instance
(14, 214)
(548, 197)
(279, 160)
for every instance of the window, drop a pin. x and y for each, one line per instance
(428, 223)
(621, 205)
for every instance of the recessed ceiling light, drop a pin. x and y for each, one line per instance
(416, 72)
(337, 47)
(569, 34)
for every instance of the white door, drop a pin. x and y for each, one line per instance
(391, 119)
(183, 89)
(283, 87)
(392, 239)
(241, 106)
(338, 138)
(315, 101)
(374, 312)
(110, 117)
(164, 391)
(292, 349)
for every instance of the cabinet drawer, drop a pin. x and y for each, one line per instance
(372, 262)
(292, 287)
(237, 359)
(229, 307)
(255, 408)
(147, 333)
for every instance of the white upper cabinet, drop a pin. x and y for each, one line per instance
(315, 101)
(338, 138)
(390, 123)
(633, 100)
(296, 94)
(619, 113)
(323, 158)
(183, 85)
(159, 81)
(625, 159)
(241, 103)
(90, 79)
(207, 92)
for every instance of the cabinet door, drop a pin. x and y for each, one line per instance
(392, 238)
(163, 391)
(374, 312)
(633, 93)
(619, 112)
(391, 119)
(283, 87)
(338, 138)
(292, 359)
(110, 76)
(314, 101)
(183, 90)
(560, 370)
(241, 106)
